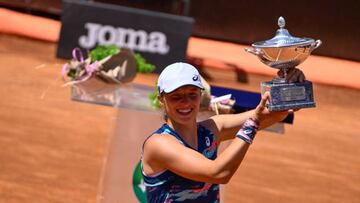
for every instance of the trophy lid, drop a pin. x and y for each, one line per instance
(283, 38)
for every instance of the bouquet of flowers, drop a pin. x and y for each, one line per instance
(108, 63)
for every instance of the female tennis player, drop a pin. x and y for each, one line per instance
(179, 160)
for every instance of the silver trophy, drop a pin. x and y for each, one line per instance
(284, 52)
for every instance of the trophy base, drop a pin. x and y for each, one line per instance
(285, 96)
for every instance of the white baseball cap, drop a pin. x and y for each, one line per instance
(177, 75)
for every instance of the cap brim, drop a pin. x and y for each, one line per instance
(169, 90)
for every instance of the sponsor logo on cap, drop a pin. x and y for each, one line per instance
(195, 78)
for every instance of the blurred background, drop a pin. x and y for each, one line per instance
(336, 23)
(54, 149)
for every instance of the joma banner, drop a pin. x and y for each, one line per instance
(161, 38)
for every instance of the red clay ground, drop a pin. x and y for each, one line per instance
(52, 149)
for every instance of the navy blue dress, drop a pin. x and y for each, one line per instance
(167, 186)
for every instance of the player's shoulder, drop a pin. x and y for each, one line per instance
(160, 140)
(161, 146)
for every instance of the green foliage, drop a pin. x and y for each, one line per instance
(102, 51)
(154, 101)
(142, 66)
(72, 74)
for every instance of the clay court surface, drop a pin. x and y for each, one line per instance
(53, 149)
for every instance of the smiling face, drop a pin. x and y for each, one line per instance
(182, 105)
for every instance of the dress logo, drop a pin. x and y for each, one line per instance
(207, 141)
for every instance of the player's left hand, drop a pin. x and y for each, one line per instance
(264, 116)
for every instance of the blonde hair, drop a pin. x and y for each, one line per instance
(163, 113)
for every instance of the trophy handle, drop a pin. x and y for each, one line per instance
(253, 51)
(316, 44)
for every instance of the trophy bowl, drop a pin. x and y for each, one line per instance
(284, 52)
(284, 57)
